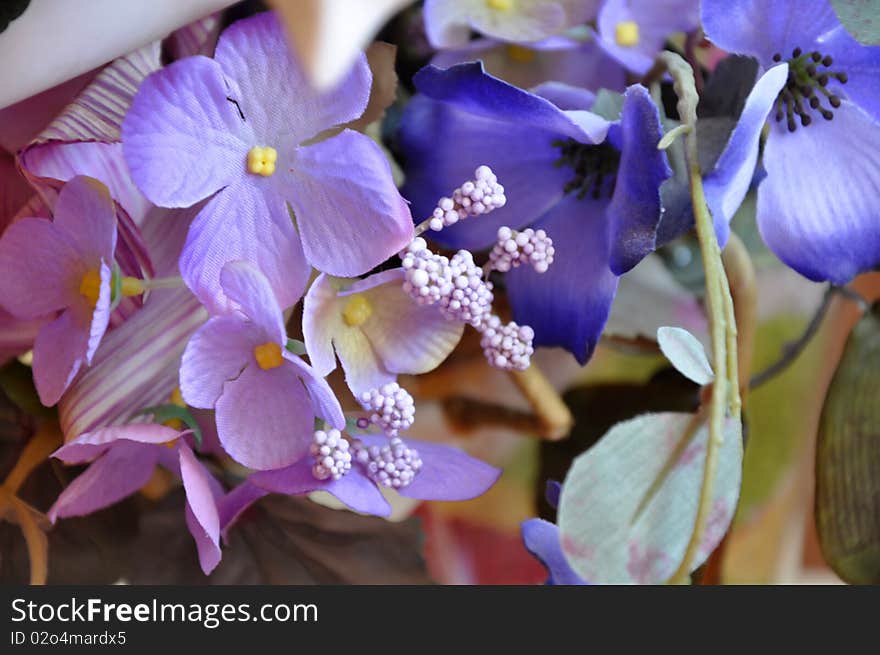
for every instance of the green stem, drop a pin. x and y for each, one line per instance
(719, 308)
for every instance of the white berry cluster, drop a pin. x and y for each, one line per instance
(455, 285)
(508, 347)
(394, 465)
(391, 406)
(332, 455)
(479, 196)
(532, 247)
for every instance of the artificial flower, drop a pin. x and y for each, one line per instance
(375, 328)
(449, 23)
(123, 459)
(819, 202)
(634, 31)
(541, 539)
(62, 267)
(591, 184)
(573, 61)
(265, 397)
(243, 127)
(420, 470)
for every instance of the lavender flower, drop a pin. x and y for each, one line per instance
(563, 59)
(819, 202)
(590, 183)
(62, 267)
(123, 459)
(449, 22)
(634, 31)
(266, 398)
(375, 328)
(244, 128)
(433, 472)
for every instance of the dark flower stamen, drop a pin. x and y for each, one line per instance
(595, 167)
(799, 97)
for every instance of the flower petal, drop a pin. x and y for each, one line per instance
(347, 208)
(541, 539)
(124, 469)
(255, 54)
(202, 516)
(265, 418)
(727, 184)
(88, 446)
(182, 139)
(86, 214)
(568, 305)
(325, 330)
(354, 489)
(761, 28)
(245, 221)
(234, 503)
(324, 401)
(635, 209)
(818, 205)
(247, 287)
(447, 473)
(215, 354)
(408, 338)
(41, 269)
(59, 352)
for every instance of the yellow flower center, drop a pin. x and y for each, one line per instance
(176, 398)
(500, 5)
(132, 286)
(90, 286)
(268, 355)
(261, 161)
(626, 33)
(520, 54)
(357, 310)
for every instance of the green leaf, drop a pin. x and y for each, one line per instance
(629, 504)
(164, 413)
(848, 459)
(686, 354)
(861, 18)
(296, 346)
(608, 104)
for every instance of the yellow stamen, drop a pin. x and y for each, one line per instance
(357, 310)
(626, 33)
(176, 398)
(520, 54)
(90, 286)
(132, 286)
(500, 5)
(268, 355)
(261, 160)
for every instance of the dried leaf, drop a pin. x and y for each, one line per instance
(848, 459)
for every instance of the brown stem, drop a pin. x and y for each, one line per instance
(554, 416)
(744, 291)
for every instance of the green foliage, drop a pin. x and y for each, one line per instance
(861, 18)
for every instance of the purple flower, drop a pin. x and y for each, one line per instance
(432, 471)
(243, 128)
(541, 539)
(635, 31)
(63, 266)
(449, 23)
(123, 459)
(592, 185)
(819, 202)
(265, 397)
(558, 59)
(375, 328)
